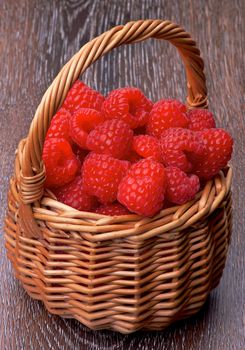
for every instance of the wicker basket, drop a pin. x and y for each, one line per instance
(123, 273)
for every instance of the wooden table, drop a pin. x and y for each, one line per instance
(36, 38)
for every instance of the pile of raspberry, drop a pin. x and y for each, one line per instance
(124, 154)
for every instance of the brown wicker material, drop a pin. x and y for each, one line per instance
(123, 273)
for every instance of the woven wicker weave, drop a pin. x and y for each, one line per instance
(122, 273)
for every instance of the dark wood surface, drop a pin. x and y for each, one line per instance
(36, 38)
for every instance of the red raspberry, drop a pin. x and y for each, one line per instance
(180, 147)
(73, 195)
(147, 167)
(101, 176)
(113, 137)
(82, 96)
(142, 189)
(167, 114)
(128, 104)
(113, 209)
(147, 146)
(60, 162)
(200, 119)
(82, 122)
(218, 150)
(59, 126)
(181, 188)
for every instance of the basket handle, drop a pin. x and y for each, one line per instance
(33, 172)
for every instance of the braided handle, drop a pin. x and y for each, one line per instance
(33, 173)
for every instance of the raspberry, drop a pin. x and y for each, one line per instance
(200, 119)
(218, 150)
(59, 126)
(181, 187)
(101, 176)
(147, 167)
(142, 189)
(113, 137)
(82, 122)
(147, 146)
(73, 195)
(82, 96)
(60, 162)
(128, 104)
(180, 147)
(166, 114)
(113, 209)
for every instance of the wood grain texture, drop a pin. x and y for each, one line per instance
(36, 39)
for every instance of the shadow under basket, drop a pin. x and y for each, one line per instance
(123, 273)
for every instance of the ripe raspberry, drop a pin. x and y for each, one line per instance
(166, 114)
(128, 104)
(180, 147)
(73, 195)
(113, 209)
(59, 126)
(101, 176)
(218, 150)
(147, 167)
(82, 122)
(200, 119)
(60, 162)
(113, 137)
(147, 146)
(82, 96)
(142, 189)
(181, 188)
